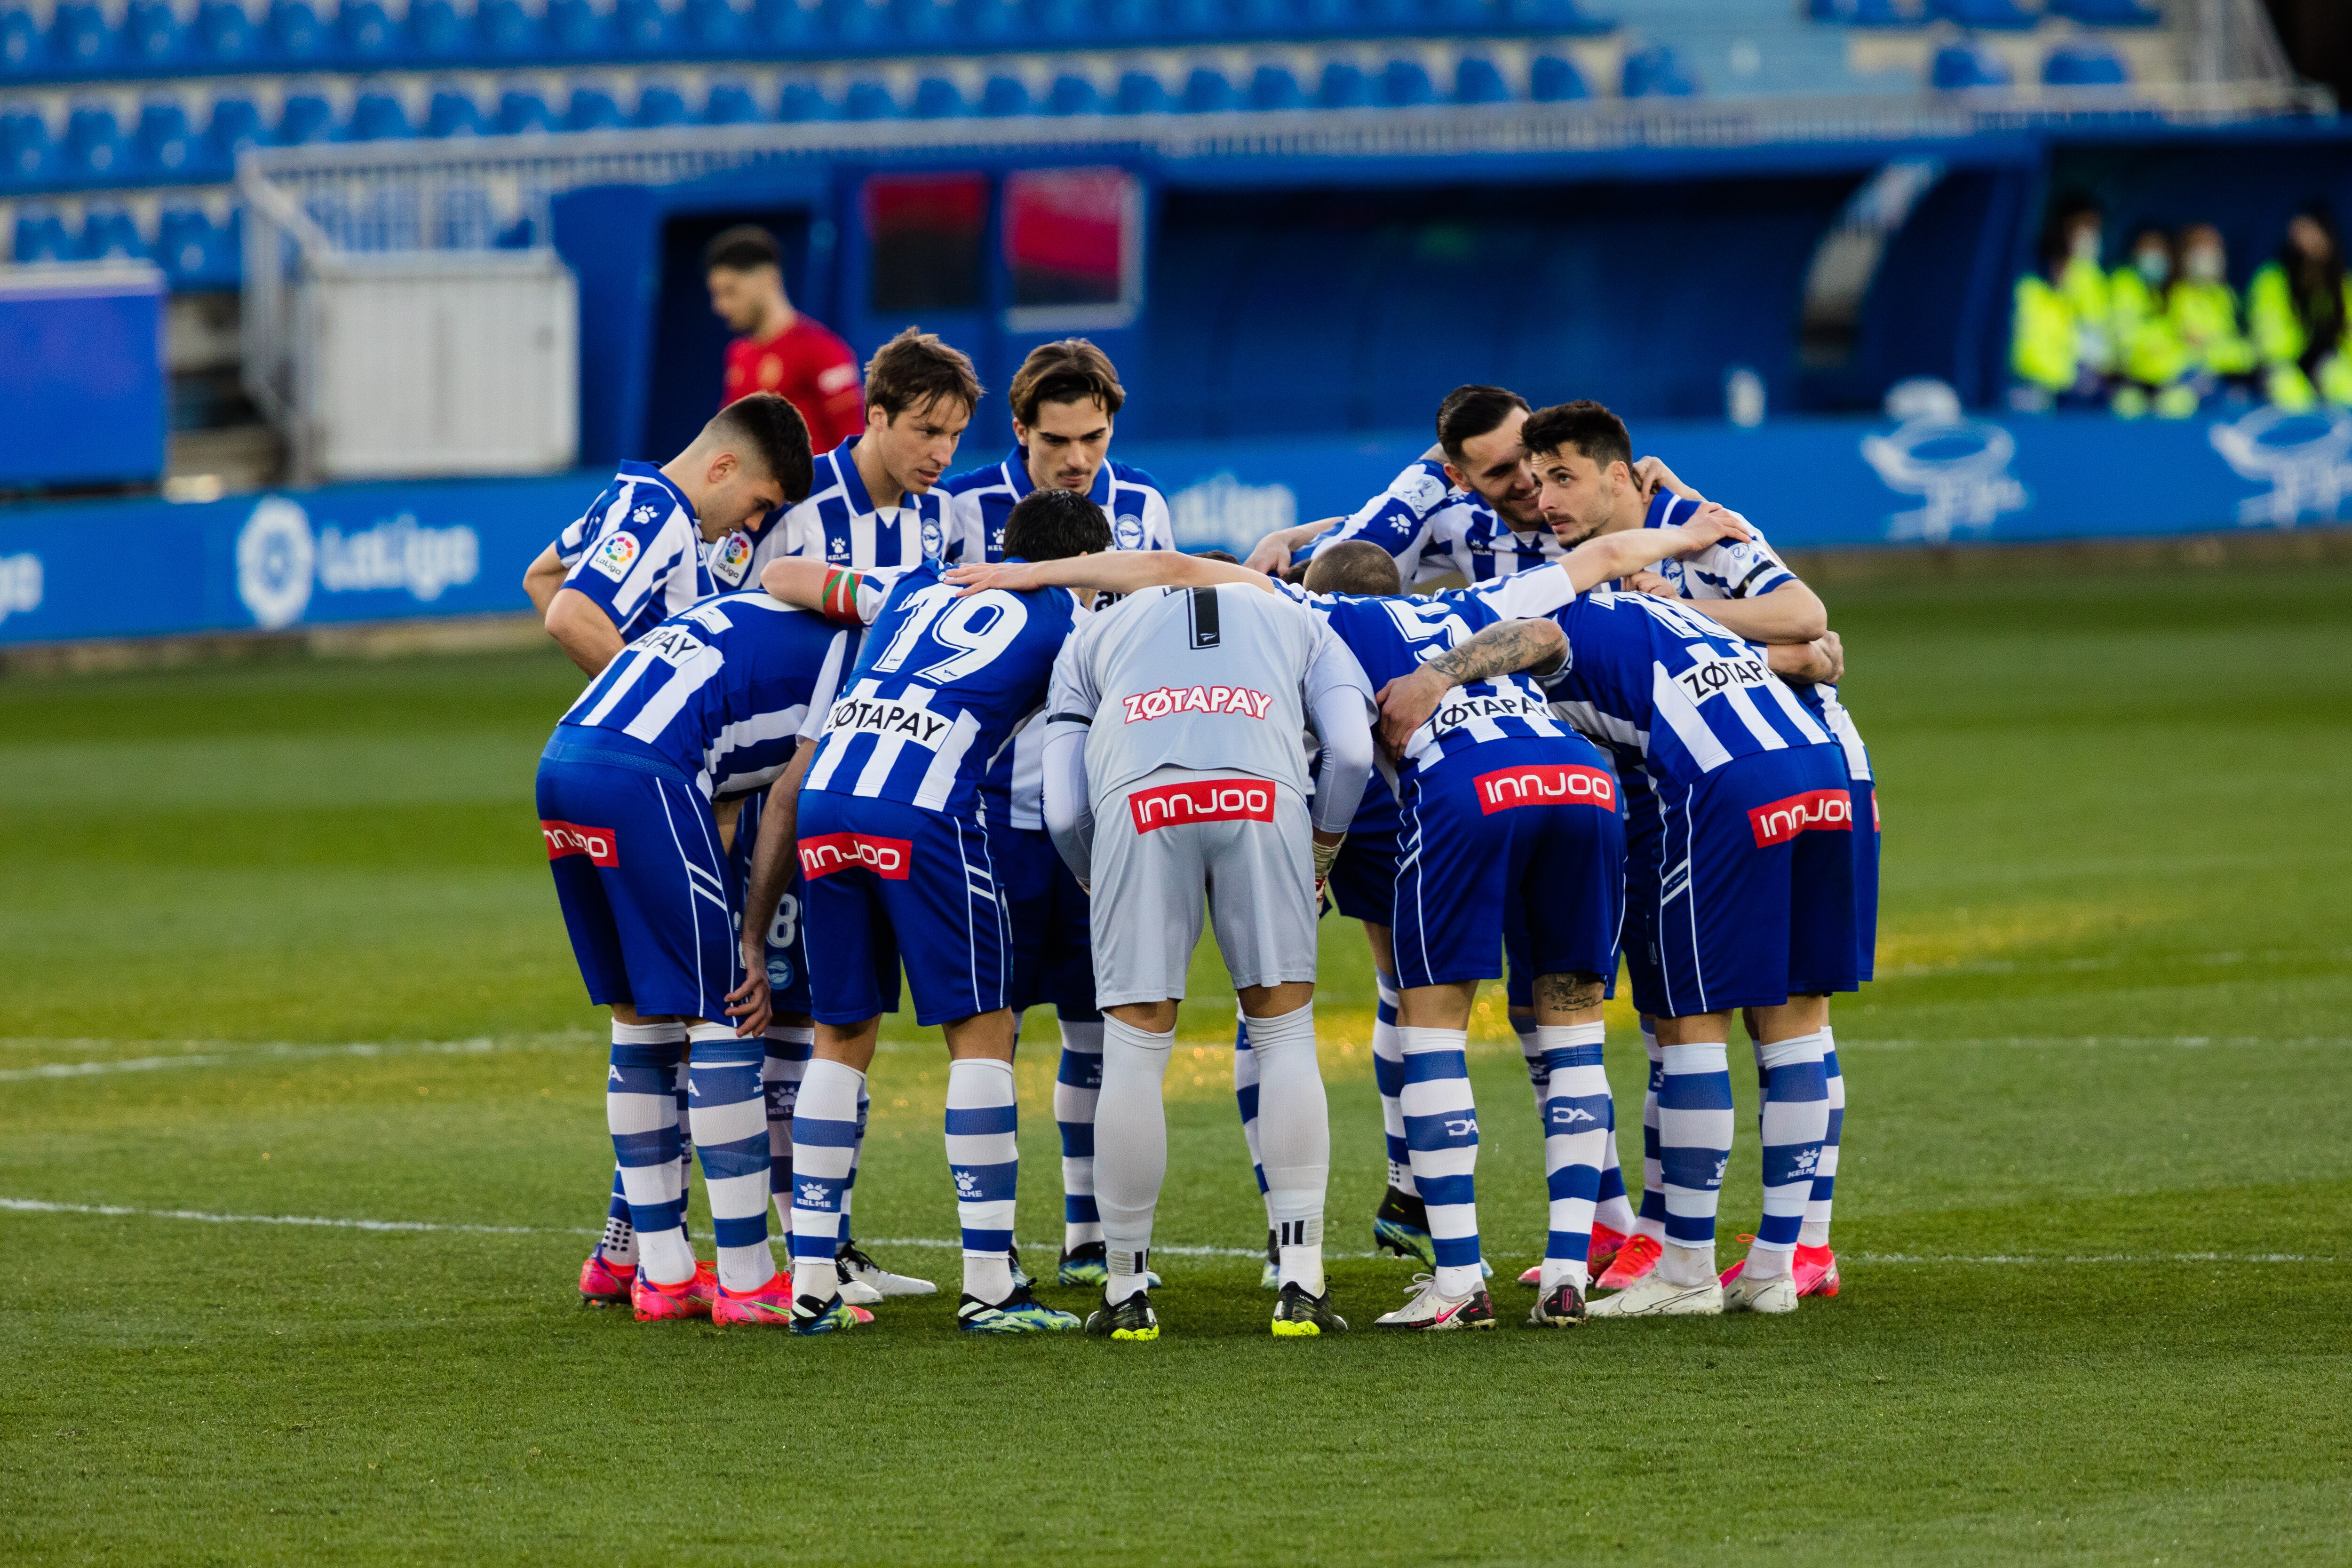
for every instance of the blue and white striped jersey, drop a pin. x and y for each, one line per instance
(1394, 636)
(1432, 528)
(941, 683)
(978, 504)
(980, 501)
(637, 552)
(725, 690)
(1655, 677)
(840, 525)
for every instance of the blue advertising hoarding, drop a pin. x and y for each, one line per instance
(399, 550)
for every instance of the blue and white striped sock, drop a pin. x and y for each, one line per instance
(1441, 1128)
(1531, 1052)
(1246, 1098)
(1077, 1083)
(1796, 1116)
(728, 1115)
(1652, 1219)
(1612, 1207)
(641, 1111)
(1576, 1118)
(824, 1138)
(684, 1152)
(1388, 1077)
(1815, 1232)
(1694, 1146)
(619, 1243)
(984, 1157)
(857, 1154)
(788, 1049)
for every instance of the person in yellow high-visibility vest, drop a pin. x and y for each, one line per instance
(2153, 360)
(2204, 309)
(2060, 344)
(2297, 308)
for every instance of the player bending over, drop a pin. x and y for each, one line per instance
(1174, 775)
(885, 814)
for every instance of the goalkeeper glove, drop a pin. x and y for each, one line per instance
(1324, 855)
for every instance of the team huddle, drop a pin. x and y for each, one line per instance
(849, 715)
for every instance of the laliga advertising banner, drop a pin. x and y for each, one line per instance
(399, 550)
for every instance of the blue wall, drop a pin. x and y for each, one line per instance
(81, 378)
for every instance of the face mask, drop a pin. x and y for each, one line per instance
(2153, 264)
(2204, 266)
(2085, 246)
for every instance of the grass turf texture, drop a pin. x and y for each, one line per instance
(2114, 826)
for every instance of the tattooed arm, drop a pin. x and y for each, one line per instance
(1501, 649)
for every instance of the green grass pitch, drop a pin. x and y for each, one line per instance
(2096, 1207)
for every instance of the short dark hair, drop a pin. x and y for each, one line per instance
(1469, 413)
(914, 369)
(1228, 557)
(777, 436)
(1354, 566)
(1066, 371)
(1591, 430)
(742, 248)
(1053, 524)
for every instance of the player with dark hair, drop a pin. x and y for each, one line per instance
(1065, 399)
(885, 817)
(778, 348)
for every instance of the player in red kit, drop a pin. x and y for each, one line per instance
(779, 350)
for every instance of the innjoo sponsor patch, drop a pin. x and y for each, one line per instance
(1545, 784)
(1205, 801)
(828, 852)
(1814, 811)
(601, 845)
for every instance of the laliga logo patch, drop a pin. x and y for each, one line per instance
(731, 560)
(1814, 811)
(599, 844)
(277, 558)
(1545, 784)
(1209, 800)
(891, 858)
(1144, 706)
(614, 557)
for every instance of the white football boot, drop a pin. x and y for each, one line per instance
(862, 1273)
(1651, 1297)
(1750, 1294)
(1432, 1310)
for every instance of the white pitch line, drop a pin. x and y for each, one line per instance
(113, 1210)
(2035, 1042)
(233, 1056)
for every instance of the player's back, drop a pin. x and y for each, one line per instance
(1392, 635)
(942, 681)
(1203, 678)
(721, 690)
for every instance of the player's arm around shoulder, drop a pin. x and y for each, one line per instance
(1505, 648)
(1608, 557)
(1117, 572)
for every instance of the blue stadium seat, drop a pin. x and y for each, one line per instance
(937, 97)
(521, 113)
(659, 103)
(1140, 92)
(1208, 92)
(782, 24)
(191, 249)
(1060, 21)
(435, 31)
(642, 28)
(20, 41)
(225, 34)
(869, 99)
(1197, 18)
(927, 21)
(1392, 16)
(1129, 19)
(991, 21)
(1476, 80)
(713, 26)
(729, 103)
(1958, 67)
(593, 108)
(1998, 14)
(860, 22)
(27, 151)
(235, 124)
(1657, 72)
(1405, 84)
(108, 233)
(95, 148)
(78, 36)
(151, 33)
(1073, 94)
(41, 236)
(1328, 18)
(452, 114)
(1273, 87)
(1870, 13)
(1464, 15)
(364, 34)
(503, 27)
(1554, 17)
(1004, 95)
(296, 34)
(576, 28)
(1266, 18)
(2083, 65)
(166, 144)
(1554, 78)
(379, 117)
(1343, 87)
(2109, 13)
(305, 117)
(803, 100)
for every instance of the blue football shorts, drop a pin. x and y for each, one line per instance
(887, 884)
